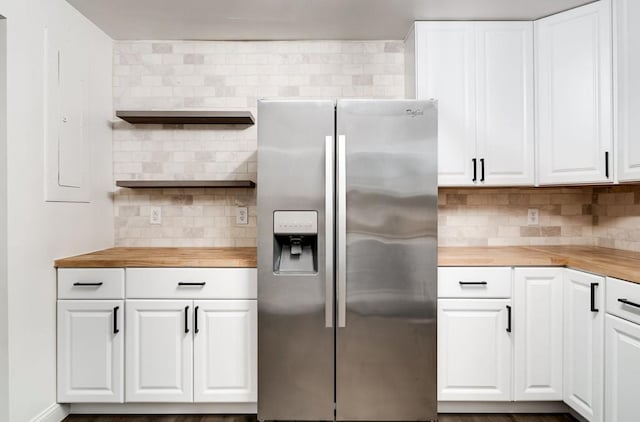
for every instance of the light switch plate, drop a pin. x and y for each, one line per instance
(155, 216)
(533, 216)
(242, 215)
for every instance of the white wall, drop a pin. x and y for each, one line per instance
(4, 362)
(38, 231)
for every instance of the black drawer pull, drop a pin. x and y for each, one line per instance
(482, 169)
(472, 283)
(186, 319)
(80, 283)
(185, 283)
(593, 297)
(628, 302)
(195, 319)
(116, 330)
(508, 319)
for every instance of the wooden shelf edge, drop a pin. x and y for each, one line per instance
(192, 117)
(172, 184)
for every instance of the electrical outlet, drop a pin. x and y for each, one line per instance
(533, 216)
(155, 216)
(242, 215)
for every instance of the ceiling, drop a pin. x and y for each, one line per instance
(296, 19)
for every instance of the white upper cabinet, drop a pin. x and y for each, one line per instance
(504, 107)
(574, 96)
(481, 73)
(627, 88)
(445, 70)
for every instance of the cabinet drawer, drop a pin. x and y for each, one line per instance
(91, 283)
(191, 283)
(623, 299)
(476, 282)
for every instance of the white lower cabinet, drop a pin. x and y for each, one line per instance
(159, 351)
(474, 350)
(538, 334)
(583, 344)
(225, 351)
(178, 336)
(90, 351)
(622, 370)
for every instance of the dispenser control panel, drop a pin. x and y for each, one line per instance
(295, 222)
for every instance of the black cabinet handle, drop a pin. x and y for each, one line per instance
(628, 302)
(195, 320)
(472, 283)
(593, 297)
(80, 283)
(115, 320)
(475, 170)
(185, 283)
(606, 164)
(482, 169)
(186, 319)
(508, 319)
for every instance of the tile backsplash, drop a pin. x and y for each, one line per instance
(221, 75)
(599, 216)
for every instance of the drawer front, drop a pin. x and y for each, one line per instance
(474, 282)
(623, 299)
(192, 283)
(90, 283)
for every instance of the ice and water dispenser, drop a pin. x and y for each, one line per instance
(295, 242)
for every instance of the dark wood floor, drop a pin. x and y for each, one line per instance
(206, 418)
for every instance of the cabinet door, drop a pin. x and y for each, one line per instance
(474, 350)
(573, 95)
(445, 62)
(225, 351)
(622, 370)
(90, 351)
(504, 63)
(159, 351)
(583, 343)
(627, 87)
(538, 340)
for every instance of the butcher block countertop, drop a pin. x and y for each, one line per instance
(604, 261)
(163, 257)
(610, 262)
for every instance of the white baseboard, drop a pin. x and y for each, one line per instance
(502, 407)
(54, 413)
(164, 408)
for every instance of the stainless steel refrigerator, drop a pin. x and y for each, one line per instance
(347, 260)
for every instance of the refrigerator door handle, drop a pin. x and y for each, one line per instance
(341, 243)
(328, 245)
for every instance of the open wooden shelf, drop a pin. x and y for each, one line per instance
(190, 117)
(159, 184)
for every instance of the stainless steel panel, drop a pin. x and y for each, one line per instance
(295, 349)
(386, 354)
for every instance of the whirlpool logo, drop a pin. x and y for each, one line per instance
(413, 113)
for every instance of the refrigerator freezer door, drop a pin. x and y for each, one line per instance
(295, 309)
(386, 351)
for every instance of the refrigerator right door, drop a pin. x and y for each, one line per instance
(386, 260)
